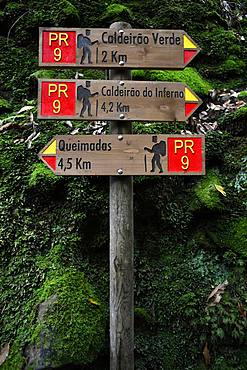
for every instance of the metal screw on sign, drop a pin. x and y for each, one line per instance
(120, 171)
(120, 137)
(122, 116)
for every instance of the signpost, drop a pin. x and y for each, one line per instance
(116, 100)
(115, 48)
(112, 155)
(120, 155)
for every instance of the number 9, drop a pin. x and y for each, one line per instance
(57, 54)
(56, 106)
(185, 162)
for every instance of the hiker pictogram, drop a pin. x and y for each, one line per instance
(158, 149)
(84, 95)
(84, 42)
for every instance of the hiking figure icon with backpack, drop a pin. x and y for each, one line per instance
(84, 42)
(84, 95)
(158, 149)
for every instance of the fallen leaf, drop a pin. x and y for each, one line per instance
(220, 189)
(92, 301)
(69, 123)
(75, 131)
(4, 352)
(216, 295)
(24, 109)
(206, 355)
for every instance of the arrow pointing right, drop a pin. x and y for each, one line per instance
(191, 102)
(190, 49)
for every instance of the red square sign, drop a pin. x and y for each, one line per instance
(58, 98)
(58, 47)
(185, 154)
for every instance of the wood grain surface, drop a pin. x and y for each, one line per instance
(110, 48)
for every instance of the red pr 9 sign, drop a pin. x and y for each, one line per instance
(58, 98)
(58, 47)
(185, 154)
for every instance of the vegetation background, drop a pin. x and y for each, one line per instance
(190, 232)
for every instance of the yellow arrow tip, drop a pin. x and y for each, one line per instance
(188, 44)
(189, 96)
(51, 149)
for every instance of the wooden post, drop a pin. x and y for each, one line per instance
(121, 251)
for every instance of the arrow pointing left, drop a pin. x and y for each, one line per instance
(48, 155)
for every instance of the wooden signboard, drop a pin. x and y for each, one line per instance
(116, 100)
(125, 155)
(110, 48)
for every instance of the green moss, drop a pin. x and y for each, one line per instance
(44, 73)
(5, 105)
(117, 12)
(16, 66)
(231, 67)
(224, 58)
(218, 43)
(206, 191)
(234, 236)
(235, 122)
(42, 176)
(188, 76)
(243, 95)
(68, 9)
(143, 315)
(74, 328)
(15, 360)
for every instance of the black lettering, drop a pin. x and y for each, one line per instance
(113, 56)
(111, 107)
(161, 40)
(61, 145)
(172, 39)
(84, 147)
(103, 37)
(155, 37)
(104, 59)
(167, 38)
(78, 163)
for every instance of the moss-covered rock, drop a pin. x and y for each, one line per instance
(69, 325)
(117, 12)
(73, 328)
(234, 236)
(223, 56)
(207, 193)
(235, 122)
